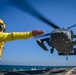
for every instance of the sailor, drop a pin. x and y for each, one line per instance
(5, 36)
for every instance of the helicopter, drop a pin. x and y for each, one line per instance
(60, 39)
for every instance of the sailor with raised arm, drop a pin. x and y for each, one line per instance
(5, 36)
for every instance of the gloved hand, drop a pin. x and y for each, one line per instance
(37, 32)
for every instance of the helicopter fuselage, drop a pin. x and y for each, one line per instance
(61, 40)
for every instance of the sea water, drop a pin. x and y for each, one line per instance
(21, 67)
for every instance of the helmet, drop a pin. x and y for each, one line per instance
(2, 25)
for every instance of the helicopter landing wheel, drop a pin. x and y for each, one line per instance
(74, 50)
(52, 51)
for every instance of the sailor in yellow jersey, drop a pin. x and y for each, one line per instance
(5, 37)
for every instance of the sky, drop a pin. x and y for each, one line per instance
(28, 52)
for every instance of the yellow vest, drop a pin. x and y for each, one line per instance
(5, 37)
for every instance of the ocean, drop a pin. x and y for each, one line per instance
(20, 67)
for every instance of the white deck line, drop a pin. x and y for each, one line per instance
(69, 72)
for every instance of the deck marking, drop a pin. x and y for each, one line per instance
(69, 72)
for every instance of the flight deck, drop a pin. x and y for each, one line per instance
(48, 71)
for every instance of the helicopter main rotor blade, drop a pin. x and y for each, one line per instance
(43, 35)
(24, 6)
(71, 26)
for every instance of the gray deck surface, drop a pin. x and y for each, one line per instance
(55, 71)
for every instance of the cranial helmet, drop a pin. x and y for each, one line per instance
(2, 25)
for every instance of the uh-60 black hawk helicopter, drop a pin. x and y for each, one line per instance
(60, 39)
